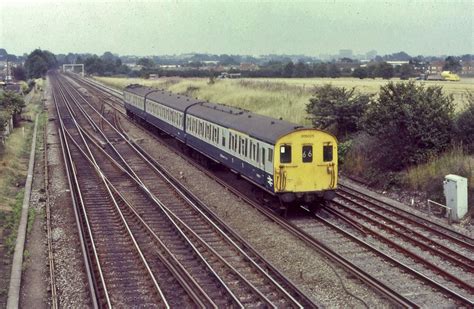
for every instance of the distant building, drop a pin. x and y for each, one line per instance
(435, 67)
(467, 68)
(248, 67)
(400, 62)
(169, 66)
(210, 62)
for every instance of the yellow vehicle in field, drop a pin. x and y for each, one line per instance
(450, 76)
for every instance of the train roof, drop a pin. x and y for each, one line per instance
(261, 127)
(167, 98)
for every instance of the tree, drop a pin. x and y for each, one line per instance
(300, 69)
(410, 122)
(337, 109)
(384, 70)
(452, 64)
(333, 71)
(108, 56)
(36, 67)
(227, 60)
(465, 123)
(39, 62)
(94, 65)
(360, 73)
(405, 71)
(146, 63)
(320, 69)
(12, 103)
(19, 73)
(371, 69)
(288, 69)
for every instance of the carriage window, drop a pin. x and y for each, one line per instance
(235, 143)
(307, 154)
(270, 155)
(223, 141)
(327, 153)
(285, 154)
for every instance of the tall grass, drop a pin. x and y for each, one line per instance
(266, 98)
(429, 177)
(278, 97)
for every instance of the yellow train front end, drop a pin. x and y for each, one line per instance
(305, 166)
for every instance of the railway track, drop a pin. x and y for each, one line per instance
(444, 289)
(230, 269)
(120, 273)
(432, 250)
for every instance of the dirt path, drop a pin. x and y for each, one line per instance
(35, 276)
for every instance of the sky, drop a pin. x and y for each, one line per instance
(238, 27)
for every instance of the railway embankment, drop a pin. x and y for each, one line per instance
(15, 157)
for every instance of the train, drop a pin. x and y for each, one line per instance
(294, 163)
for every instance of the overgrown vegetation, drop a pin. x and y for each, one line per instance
(11, 104)
(13, 169)
(407, 135)
(337, 109)
(411, 123)
(39, 62)
(465, 123)
(428, 177)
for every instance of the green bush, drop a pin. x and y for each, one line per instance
(465, 124)
(411, 124)
(337, 109)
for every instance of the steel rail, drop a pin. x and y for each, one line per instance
(101, 176)
(75, 199)
(432, 282)
(137, 215)
(51, 263)
(406, 215)
(412, 236)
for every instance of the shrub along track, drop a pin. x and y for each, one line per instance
(246, 282)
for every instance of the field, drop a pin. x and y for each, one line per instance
(279, 97)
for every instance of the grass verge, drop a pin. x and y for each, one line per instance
(14, 158)
(429, 177)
